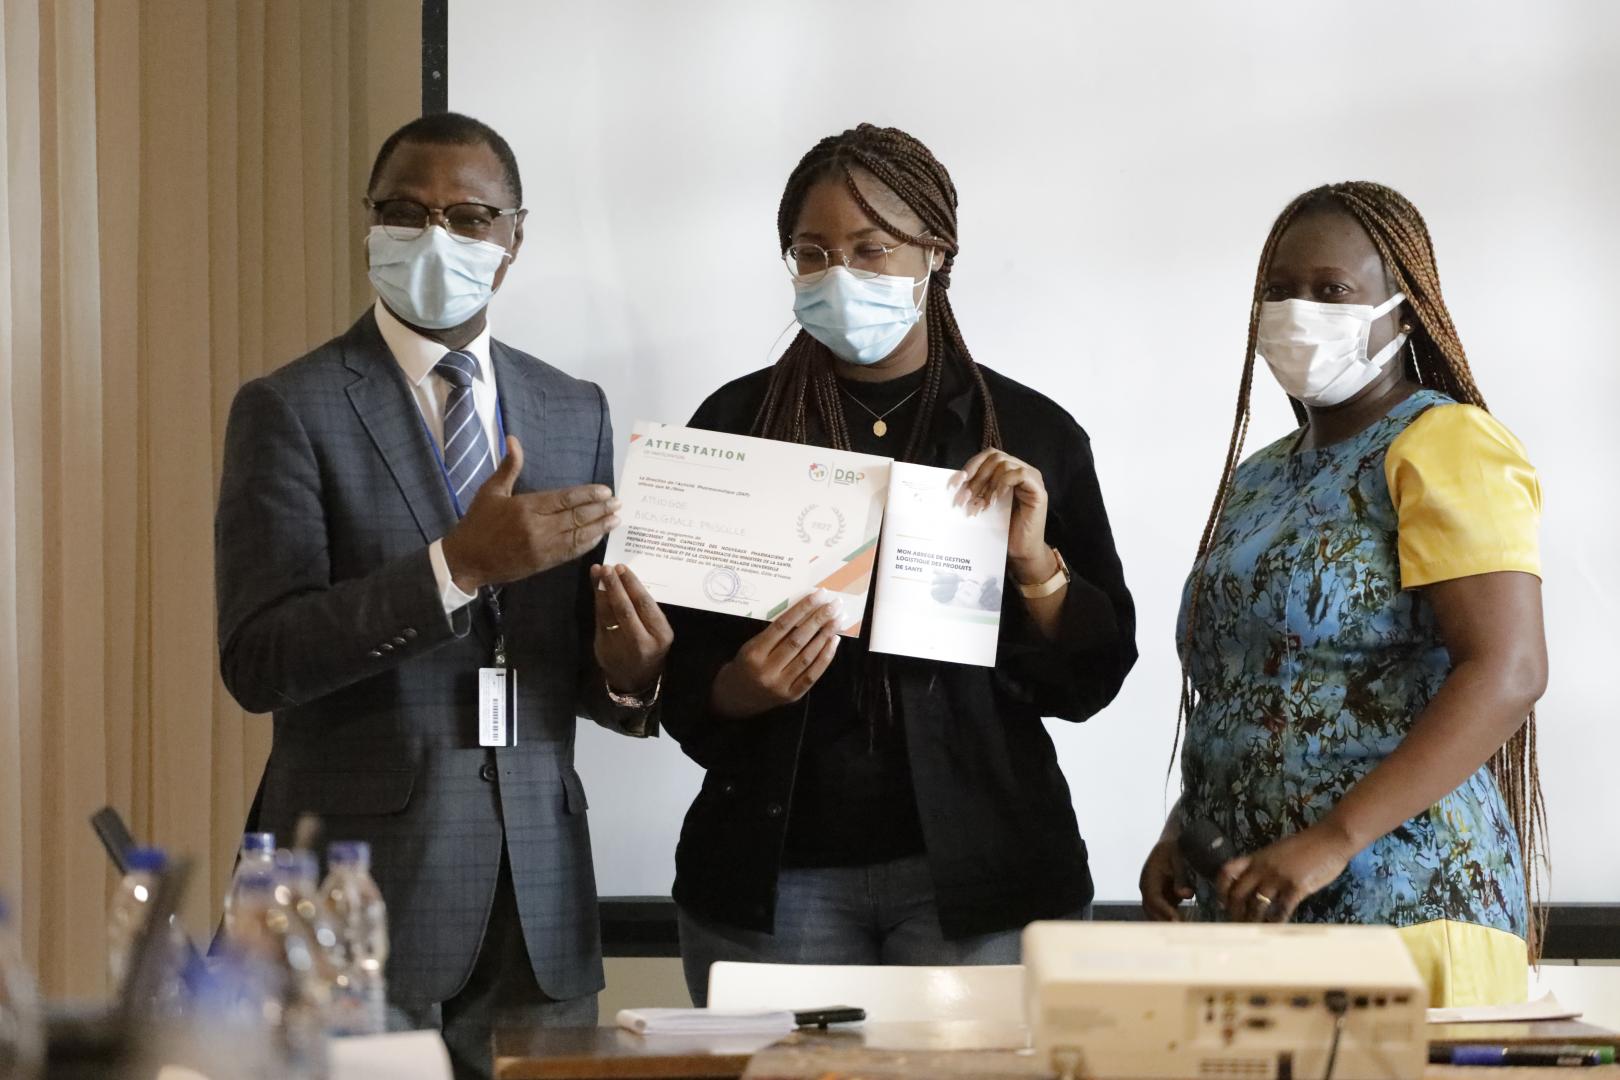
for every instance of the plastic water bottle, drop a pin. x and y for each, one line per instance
(20, 1033)
(355, 906)
(312, 940)
(258, 853)
(130, 909)
(279, 967)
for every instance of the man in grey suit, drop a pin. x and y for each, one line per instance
(404, 506)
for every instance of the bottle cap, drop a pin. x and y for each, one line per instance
(147, 860)
(349, 853)
(259, 842)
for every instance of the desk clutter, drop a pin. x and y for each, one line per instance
(293, 988)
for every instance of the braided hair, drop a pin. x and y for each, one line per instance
(802, 400)
(1434, 359)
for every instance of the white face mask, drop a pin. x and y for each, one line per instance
(433, 280)
(1318, 352)
(861, 319)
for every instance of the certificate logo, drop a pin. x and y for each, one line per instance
(822, 474)
(820, 524)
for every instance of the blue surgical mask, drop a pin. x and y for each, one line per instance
(861, 319)
(433, 280)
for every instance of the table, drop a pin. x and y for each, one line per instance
(910, 1051)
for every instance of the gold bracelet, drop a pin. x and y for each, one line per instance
(1060, 577)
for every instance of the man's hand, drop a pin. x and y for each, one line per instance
(632, 635)
(779, 665)
(505, 537)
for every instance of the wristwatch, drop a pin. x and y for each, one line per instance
(1060, 577)
(644, 700)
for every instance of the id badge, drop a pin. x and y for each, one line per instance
(497, 706)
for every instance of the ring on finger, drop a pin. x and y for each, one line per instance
(611, 626)
(1262, 899)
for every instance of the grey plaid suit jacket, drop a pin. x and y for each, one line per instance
(329, 617)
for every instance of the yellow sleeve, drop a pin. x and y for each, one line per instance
(1467, 501)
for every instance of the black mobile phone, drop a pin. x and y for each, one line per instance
(832, 1014)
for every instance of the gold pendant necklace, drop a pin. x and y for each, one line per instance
(880, 427)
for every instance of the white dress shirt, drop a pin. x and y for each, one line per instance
(417, 356)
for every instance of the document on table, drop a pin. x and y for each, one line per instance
(706, 1021)
(940, 571)
(747, 526)
(1546, 1007)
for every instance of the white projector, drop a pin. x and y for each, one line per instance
(1228, 1001)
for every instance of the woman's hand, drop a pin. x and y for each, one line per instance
(779, 665)
(632, 635)
(1164, 882)
(990, 474)
(1269, 884)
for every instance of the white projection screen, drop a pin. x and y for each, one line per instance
(1118, 167)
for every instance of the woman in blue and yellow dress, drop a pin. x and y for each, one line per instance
(1361, 635)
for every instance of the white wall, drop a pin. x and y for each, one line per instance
(1118, 167)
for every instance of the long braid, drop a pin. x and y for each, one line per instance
(1437, 361)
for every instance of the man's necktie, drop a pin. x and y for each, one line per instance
(466, 448)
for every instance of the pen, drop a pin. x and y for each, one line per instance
(1543, 1056)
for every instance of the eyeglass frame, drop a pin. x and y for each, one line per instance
(843, 257)
(439, 212)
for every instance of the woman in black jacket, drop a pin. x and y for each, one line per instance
(866, 809)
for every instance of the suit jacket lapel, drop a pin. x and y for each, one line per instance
(523, 413)
(390, 415)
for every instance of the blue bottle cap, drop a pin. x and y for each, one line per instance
(259, 842)
(147, 860)
(349, 853)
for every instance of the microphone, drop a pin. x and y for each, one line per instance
(1205, 848)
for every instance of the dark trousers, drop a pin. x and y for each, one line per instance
(500, 992)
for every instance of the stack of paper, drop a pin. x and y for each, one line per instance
(1546, 1008)
(707, 1021)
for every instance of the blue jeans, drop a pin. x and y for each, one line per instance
(879, 914)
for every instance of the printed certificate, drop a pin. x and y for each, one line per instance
(747, 526)
(940, 572)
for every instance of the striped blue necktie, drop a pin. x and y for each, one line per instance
(466, 448)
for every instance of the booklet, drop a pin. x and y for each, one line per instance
(941, 571)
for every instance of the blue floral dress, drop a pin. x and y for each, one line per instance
(1310, 663)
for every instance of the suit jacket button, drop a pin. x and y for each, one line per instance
(728, 788)
(487, 773)
(774, 810)
(374, 654)
(399, 642)
(410, 633)
(385, 647)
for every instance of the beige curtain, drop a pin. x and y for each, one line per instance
(178, 213)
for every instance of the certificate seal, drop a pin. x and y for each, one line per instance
(722, 585)
(820, 524)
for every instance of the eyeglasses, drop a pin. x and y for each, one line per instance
(809, 263)
(468, 222)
